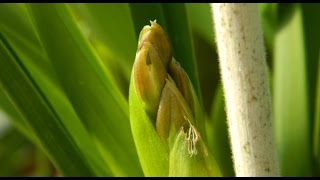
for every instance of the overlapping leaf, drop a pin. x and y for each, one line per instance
(291, 115)
(97, 101)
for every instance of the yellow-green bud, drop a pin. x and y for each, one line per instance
(161, 89)
(149, 77)
(183, 83)
(156, 36)
(172, 113)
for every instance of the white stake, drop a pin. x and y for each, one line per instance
(246, 88)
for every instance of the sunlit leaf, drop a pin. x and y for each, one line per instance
(97, 101)
(291, 116)
(34, 106)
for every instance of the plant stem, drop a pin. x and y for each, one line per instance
(245, 82)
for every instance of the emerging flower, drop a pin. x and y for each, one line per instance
(165, 97)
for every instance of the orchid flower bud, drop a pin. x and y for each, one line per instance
(165, 113)
(149, 77)
(156, 36)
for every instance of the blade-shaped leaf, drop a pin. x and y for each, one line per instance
(143, 13)
(316, 135)
(114, 44)
(206, 56)
(179, 31)
(34, 106)
(291, 115)
(18, 31)
(17, 24)
(217, 132)
(200, 164)
(37, 64)
(153, 156)
(310, 15)
(97, 101)
(13, 145)
(268, 13)
(14, 116)
(100, 20)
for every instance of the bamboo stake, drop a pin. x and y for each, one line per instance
(246, 88)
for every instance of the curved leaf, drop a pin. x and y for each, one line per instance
(291, 115)
(97, 101)
(179, 31)
(316, 133)
(28, 98)
(183, 164)
(201, 22)
(217, 132)
(153, 156)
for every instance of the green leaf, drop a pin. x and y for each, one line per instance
(14, 116)
(268, 12)
(312, 44)
(291, 115)
(99, 20)
(13, 147)
(37, 63)
(311, 30)
(152, 154)
(114, 44)
(96, 100)
(142, 14)
(43, 75)
(201, 23)
(183, 164)
(42, 165)
(217, 133)
(34, 106)
(19, 32)
(179, 31)
(316, 135)
(200, 18)
(18, 24)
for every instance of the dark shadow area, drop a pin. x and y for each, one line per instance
(285, 12)
(208, 68)
(311, 17)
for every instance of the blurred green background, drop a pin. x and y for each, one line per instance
(64, 81)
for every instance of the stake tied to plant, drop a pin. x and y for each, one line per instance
(164, 112)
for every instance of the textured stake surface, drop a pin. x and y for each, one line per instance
(244, 74)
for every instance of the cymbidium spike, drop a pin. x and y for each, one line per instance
(165, 112)
(156, 36)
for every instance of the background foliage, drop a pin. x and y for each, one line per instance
(64, 82)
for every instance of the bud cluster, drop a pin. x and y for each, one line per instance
(164, 87)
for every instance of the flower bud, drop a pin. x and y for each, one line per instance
(183, 83)
(161, 93)
(149, 77)
(171, 114)
(156, 36)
